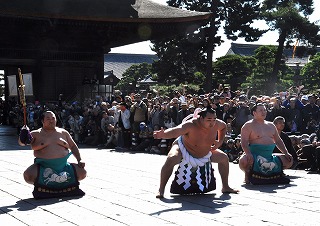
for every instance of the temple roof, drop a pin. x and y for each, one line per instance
(98, 10)
(120, 62)
(107, 23)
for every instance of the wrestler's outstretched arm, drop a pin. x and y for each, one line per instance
(174, 132)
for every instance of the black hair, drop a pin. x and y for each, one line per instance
(44, 113)
(254, 107)
(124, 104)
(204, 111)
(278, 118)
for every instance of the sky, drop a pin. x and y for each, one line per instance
(270, 38)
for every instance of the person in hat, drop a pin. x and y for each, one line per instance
(123, 125)
(198, 138)
(183, 112)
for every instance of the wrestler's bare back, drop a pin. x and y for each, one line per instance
(50, 144)
(198, 140)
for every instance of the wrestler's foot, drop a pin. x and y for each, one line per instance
(229, 190)
(159, 195)
(246, 181)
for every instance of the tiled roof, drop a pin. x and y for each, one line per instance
(120, 62)
(99, 10)
(248, 50)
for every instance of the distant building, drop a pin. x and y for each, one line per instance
(115, 64)
(248, 50)
(120, 62)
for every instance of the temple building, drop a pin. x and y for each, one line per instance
(61, 45)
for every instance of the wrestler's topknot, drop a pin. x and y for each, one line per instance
(206, 110)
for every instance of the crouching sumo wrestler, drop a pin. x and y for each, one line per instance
(258, 139)
(194, 150)
(51, 174)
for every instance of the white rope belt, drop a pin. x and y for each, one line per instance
(184, 174)
(194, 162)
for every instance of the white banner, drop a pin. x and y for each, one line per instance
(12, 82)
(28, 86)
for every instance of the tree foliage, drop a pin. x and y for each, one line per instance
(290, 19)
(132, 75)
(180, 57)
(311, 73)
(179, 60)
(241, 72)
(261, 75)
(233, 69)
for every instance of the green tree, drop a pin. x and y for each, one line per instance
(311, 73)
(262, 72)
(233, 69)
(234, 16)
(179, 60)
(132, 75)
(290, 19)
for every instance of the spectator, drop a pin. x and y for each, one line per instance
(237, 144)
(107, 127)
(173, 110)
(226, 114)
(311, 152)
(293, 117)
(231, 150)
(304, 100)
(310, 115)
(279, 122)
(146, 139)
(75, 122)
(241, 115)
(155, 115)
(183, 112)
(191, 108)
(179, 96)
(122, 121)
(276, 110)
(138, 113)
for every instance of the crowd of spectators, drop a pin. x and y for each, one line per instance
(127, 122)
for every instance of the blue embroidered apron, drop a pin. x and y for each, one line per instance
(56, 173)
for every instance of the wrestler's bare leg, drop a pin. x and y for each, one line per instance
(223, 166)
(174, 157)
(81, 172)
(245, 167)
(30, 174)
(286, 164)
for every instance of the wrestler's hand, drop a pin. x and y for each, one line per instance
(158, 134)
(288, 157)
(249, 159)
(81, 164)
